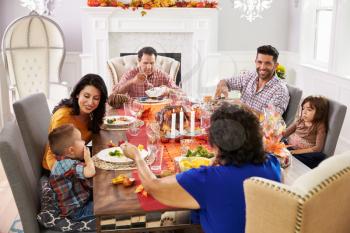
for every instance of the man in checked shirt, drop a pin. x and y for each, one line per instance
(143, 77)
(261, 87)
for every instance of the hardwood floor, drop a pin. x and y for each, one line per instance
(8, 208)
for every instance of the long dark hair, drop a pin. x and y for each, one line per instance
(97, 115)
(236, 132)
(320, 104)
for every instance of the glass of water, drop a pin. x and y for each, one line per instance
(134, 129)
(158, 158)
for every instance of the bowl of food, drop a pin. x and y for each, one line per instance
(186, 163)
(200, 151)
(155, 92)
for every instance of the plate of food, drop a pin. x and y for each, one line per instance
(149, 100)
(115, 155)
(156, 91)
(118, 120)
(200, 151)
(200, 156)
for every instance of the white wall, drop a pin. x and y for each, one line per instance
(234, 32)
(67, 15)
(317, 82)
(239, 34)
(294, 26)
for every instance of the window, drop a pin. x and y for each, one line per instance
(323, 30)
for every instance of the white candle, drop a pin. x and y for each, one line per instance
(181, 122)
(173, 124)
(192, 122)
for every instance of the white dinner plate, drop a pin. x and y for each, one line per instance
(105, 156)
(118, 120)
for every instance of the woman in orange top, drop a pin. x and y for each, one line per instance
(84, 109)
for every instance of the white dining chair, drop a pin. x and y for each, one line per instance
(33, 50)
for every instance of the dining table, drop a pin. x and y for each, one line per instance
(121, 209)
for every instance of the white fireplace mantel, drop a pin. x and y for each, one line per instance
(197, 27)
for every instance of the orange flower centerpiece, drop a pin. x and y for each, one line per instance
(273, 127)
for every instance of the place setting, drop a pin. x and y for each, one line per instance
(113, 158)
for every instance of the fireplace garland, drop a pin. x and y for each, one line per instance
(149, 4)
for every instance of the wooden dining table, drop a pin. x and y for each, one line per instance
(116, 200)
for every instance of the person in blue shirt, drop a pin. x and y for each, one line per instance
(216, 192)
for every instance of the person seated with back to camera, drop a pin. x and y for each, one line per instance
(306, 137)
(216, 191)
(70, 176)
(143, 77)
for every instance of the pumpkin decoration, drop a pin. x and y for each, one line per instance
(117, 100)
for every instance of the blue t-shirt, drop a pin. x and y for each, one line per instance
(219, 192)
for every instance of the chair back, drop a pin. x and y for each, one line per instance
(33, 53)
(19, 171)
(293, 105)
(336, 116)
(317, 201)
(119, 65)
(33, 117)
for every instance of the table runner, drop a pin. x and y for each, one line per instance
(147, 203)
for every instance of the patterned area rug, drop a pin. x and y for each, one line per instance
(16, 226)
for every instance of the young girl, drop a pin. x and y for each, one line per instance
(307, 135)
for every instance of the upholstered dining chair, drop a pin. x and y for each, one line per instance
(33, 117)
(336, 116)
(24, 176)
(293, 105)
(317, 201)
(119, 65)
(25, 148)
(20, 173)
(33, 52)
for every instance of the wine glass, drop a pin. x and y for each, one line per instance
(133, 108)
(134, 129)
(205, 121)
(153, 137)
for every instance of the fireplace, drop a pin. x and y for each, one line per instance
(109, 32)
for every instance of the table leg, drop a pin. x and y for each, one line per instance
(98, 224)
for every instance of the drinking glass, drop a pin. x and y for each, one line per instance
(205, 121)
(158, 159)
(153, 136)
(134, 129)
(133, 108)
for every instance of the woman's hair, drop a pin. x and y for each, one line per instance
(97, 115)
(320, 104)
(236, 132)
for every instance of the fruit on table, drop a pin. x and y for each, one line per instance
(123, 179)
(119, 179)
(127, 182)
(193, 162)
(140, 189)
(111, 144)
(140, 147)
